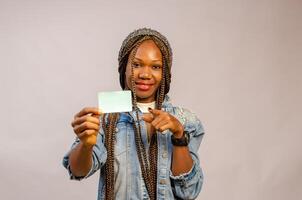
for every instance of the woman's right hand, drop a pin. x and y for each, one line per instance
(86, 125)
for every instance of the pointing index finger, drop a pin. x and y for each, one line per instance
(154, 111)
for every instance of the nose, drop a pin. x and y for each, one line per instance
(145, 73)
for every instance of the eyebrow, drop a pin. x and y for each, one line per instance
(142, 60)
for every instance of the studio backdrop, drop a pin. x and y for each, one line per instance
(237, 65)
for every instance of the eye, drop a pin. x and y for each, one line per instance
(157, 67)
(135, 65)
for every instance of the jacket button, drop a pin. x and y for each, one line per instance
(116, 130)
(164, 155)
(161, 191)
(162, 181)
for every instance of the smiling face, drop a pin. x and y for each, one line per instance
(147, 70)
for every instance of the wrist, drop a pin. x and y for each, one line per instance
(181, 141)
(179, 133)
(86, 147)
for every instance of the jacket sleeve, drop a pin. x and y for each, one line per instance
(99, 157)
(188, 185)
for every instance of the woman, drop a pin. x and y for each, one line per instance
(151, 152)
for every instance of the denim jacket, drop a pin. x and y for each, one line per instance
(129, 183)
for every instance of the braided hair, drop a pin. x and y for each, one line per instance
(148, 164)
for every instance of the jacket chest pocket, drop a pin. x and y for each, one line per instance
(121, 139)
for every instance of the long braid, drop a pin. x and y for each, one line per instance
(161, 93)
(159, 101)
(109, 144)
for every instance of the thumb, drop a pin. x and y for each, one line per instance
(148, 117)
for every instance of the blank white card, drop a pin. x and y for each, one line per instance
(117, 101)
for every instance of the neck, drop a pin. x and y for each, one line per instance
(139, 100)
(144, 106)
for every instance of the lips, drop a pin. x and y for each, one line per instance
(143, 86)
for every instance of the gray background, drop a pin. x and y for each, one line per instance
(237, 65)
